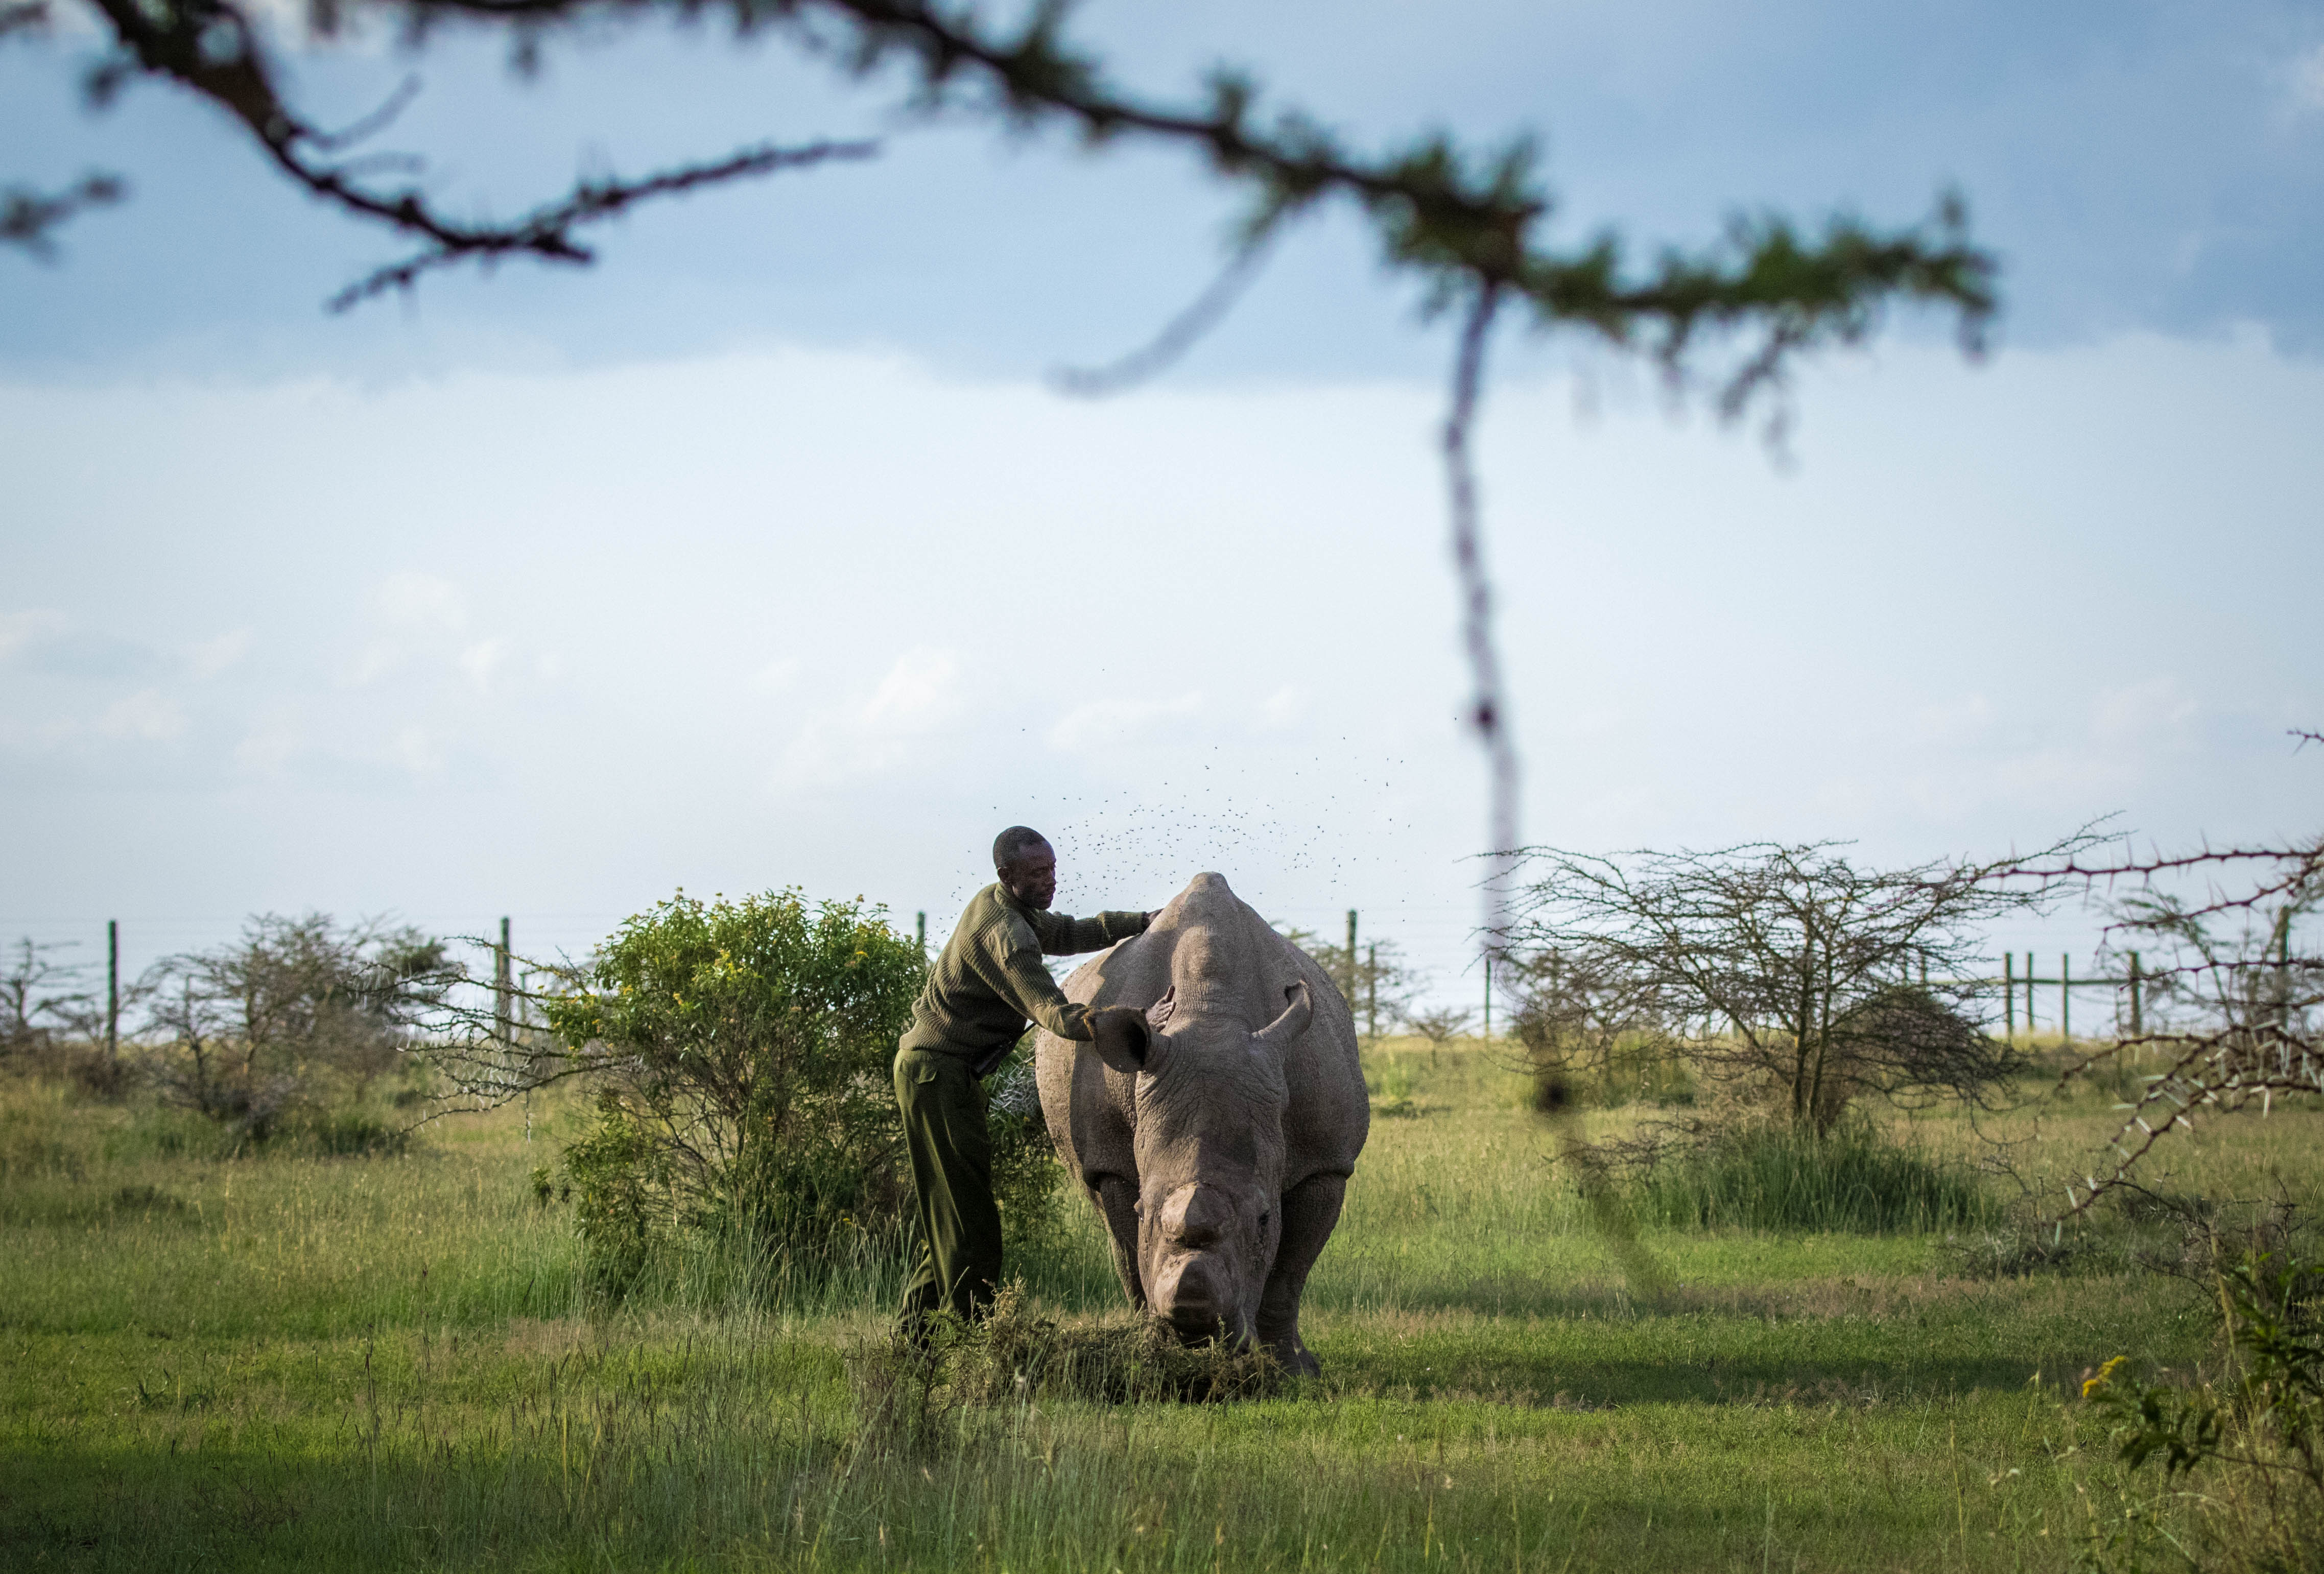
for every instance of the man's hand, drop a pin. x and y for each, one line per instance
(1158, 1015)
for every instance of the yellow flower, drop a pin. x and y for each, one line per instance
(2090, 1386)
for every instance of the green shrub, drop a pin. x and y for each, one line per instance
(2255, 1432)
(1025, 1169)
(747, 1093)
(1768, 1177)
(745, 1112)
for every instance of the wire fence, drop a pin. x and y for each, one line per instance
(1437, 944)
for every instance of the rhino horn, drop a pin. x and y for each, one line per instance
(1278, 1035)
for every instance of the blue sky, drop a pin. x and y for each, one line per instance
(760, 553)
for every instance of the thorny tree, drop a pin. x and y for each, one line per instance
(1380, 983)
(38, 994)
(297, 1013)
(1791, 968)
(2232, 992)
(1471, 227)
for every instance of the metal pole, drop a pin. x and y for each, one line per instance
(920, 927)
(1488, 996)
(2029, 994)
(501, 979)
(1371, 991)
(111, 992)
(1352, 957)
(2137, 1027)
(2065, 997)
(2009, 995)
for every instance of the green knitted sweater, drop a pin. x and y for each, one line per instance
(990, 979)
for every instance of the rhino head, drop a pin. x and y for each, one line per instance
(1210, 1102)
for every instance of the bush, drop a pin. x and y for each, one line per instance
(1024, 1160)
(1768, 1177)
(744, 1094)
(743, 1088)
(2255, 1432)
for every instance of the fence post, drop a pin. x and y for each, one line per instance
(2009, 996)
(2065, 997)
(920, 927)
(2284, 970)
(112, 994)
(2137, 1025)
(501, 979)
(1351, 959)
(1371, 991)
(2029, 994)
(1488, 996)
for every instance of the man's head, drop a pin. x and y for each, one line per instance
(1027, 865)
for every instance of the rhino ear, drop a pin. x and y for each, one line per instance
(1122, 1041)
(1277, 1035)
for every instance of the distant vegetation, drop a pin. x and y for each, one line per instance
(1644, 1285)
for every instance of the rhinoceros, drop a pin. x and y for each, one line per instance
(1217, 1148)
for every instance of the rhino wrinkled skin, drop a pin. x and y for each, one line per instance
(1217, 1150)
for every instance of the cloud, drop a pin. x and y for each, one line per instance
(269, 746)
(2308, 80)
(148, 715)
(2157, 709)
(921, 688)
(919, 696)
(21, 630)
(776, 677)
(420, 601)
(212, 657)
(416, 752)
(481, 659)
(420, 614)
(1112, 723)
(45, 641)
(1283, 708)
(1958, 719)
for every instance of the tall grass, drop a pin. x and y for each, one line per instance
(289, 1360)
(1852, 1179)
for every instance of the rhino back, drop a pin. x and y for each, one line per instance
(1222, 957)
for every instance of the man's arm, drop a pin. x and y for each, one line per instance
(1031, 989)
(1063, 935)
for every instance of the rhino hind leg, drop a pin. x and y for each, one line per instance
(1117, 1199)
(1310, 1210)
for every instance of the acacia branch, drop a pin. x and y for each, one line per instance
(1462, 222)
(28, 216)
(211, 47)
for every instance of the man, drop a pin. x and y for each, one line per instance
(974, 1007)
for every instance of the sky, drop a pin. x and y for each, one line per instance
(763, 553)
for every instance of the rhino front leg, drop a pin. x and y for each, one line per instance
(1117, 1199)
(1310, 1210)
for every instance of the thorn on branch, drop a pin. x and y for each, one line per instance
(28, 217)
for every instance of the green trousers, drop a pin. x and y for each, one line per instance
(957, 1260)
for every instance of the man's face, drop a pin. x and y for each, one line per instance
(1031, 877)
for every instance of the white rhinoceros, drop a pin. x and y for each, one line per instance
(1218, 1149)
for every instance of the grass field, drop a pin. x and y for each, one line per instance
(355, 1362)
